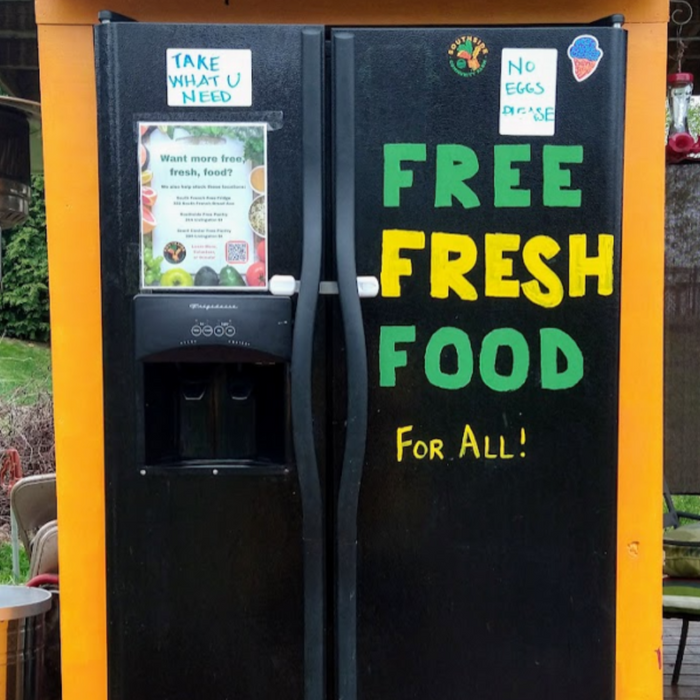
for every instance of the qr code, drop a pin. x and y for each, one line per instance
(236, 252)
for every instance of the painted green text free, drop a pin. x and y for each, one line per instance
(455, 164)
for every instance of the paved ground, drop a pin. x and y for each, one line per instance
(688, 687)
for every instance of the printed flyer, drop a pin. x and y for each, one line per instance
(203, 205)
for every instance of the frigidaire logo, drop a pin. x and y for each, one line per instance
(209, 307)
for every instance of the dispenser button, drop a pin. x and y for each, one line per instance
(207, 331)
(218, 331)
(230, 331)
(196, 331)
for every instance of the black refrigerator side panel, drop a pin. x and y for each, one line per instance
(205, 595)
(486, 562)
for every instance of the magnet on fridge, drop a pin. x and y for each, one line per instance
(585, 55)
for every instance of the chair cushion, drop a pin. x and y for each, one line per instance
(681, 595)
(682, 551)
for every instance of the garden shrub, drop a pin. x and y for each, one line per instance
(24, 299)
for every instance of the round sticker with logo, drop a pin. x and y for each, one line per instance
(468, 55)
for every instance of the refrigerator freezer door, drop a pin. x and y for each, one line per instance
(207, 595)
(484, 167)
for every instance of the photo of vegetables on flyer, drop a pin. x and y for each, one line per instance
(203, 205)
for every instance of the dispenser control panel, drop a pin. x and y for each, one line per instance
(166, 322)
(206, 330)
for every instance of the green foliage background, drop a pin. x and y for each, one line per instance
(24, 298)
(693, 116)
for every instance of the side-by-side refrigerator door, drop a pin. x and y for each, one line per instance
(478, 176)
(211, 157)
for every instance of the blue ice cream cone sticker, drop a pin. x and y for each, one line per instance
(585, 55)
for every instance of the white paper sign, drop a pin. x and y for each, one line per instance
(209, 77)
(528, 92)
(203, 204)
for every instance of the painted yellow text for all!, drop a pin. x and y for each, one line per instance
(471, 444)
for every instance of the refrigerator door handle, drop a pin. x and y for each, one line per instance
(287, 286)
(302, 365)
(356, 358)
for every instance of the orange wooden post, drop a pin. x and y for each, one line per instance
(70, 155)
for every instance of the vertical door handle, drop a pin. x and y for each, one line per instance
(302, 365)
(356, 357)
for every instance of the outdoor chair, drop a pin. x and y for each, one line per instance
(681, 582)
(33, 502)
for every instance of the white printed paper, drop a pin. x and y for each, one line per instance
(203, 205)
(528, 92)
(209, 77)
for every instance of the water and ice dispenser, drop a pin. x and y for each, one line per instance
(215, 379)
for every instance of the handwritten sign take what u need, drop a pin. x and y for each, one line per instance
(209, 77)
(528, 92)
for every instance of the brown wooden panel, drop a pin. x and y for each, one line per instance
(682, 330)
(365, 12)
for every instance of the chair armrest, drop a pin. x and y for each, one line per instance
(689, 516)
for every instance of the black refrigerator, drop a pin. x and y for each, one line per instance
(361, 299)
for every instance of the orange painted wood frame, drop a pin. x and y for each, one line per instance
(70, 157)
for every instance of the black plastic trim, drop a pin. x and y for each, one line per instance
(356, 357)
(302, 364)
(609, 21)
(217, 469)
(107, 17)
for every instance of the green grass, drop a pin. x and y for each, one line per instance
(690, 504)
(6, 564)
(686, 504)
(24, 365)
